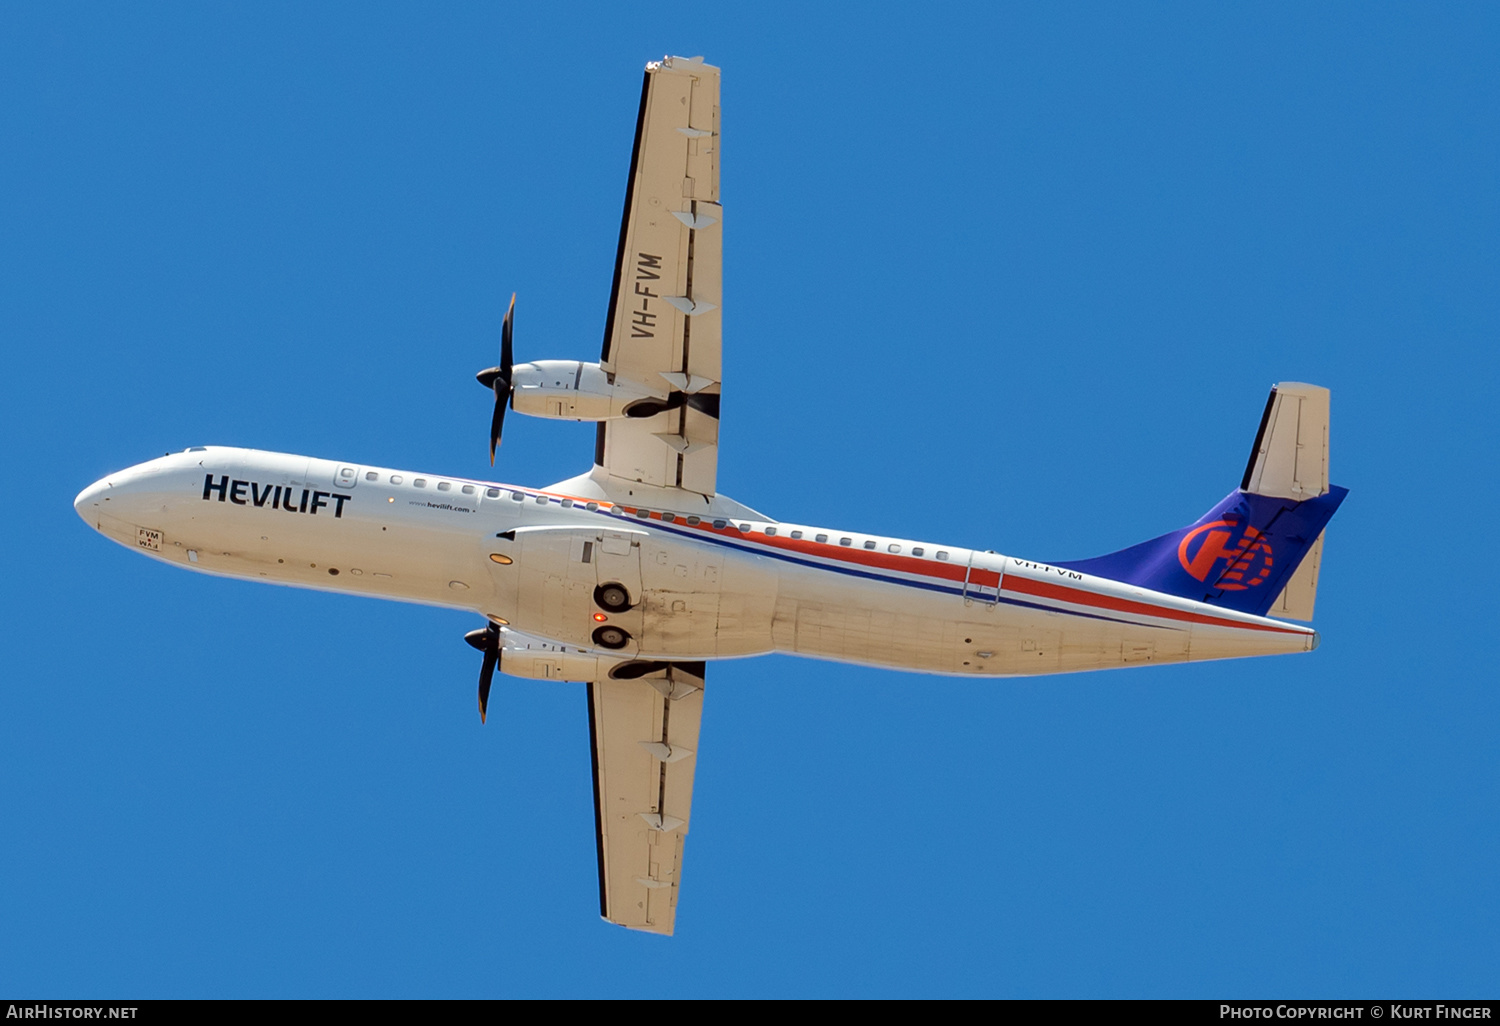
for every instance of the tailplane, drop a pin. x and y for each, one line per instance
(1258, 550)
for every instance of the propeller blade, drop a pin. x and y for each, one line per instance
(486, 676)
(506, 328)
(487, 640)
(497, 419)
(499, 377)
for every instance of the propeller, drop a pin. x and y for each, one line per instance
(498, 379)
(487, 640)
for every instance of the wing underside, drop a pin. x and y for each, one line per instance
(663, 328)
(644, 735)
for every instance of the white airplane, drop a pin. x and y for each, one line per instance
(632, 576)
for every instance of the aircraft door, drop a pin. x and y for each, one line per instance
(982, 582)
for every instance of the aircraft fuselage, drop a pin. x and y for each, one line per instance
(712, 583)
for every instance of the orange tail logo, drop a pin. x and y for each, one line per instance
(1248, 557)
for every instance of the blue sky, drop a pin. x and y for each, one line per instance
(1006, 278)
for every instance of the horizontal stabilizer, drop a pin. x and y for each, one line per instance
(1290, 457)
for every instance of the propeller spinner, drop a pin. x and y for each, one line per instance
(498, 379)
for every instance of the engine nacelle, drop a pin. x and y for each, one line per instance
(570, 390)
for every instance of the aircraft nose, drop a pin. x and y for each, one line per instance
(91, 501)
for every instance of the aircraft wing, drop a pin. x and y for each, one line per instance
(644, 735)
(663, 328)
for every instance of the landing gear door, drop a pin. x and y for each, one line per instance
(617, 569)
(982, 584)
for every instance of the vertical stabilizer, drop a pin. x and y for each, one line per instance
(1290, 460)
(1259, 549)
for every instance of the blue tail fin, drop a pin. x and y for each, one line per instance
(1244, 553)
(1239, 555)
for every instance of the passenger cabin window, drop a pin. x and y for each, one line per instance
(517, 496)
(942, 554)
(870, 544)
(893, 548)
(492, 493)
(567, 503)
(744, 527)
(420, 482)
(693, 521)
(846, 541)
(396, 479)
(444, 486)
(468, 489)
(821, 538)
(721, 523)
(771, 531)
(797, 535)
(370, 475)
(644, 514)
(541, 500)
(592, 506)
(917, 550)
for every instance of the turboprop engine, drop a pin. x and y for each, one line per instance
(571, 390)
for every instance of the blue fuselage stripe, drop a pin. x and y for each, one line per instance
(865, 574)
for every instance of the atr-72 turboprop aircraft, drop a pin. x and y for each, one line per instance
(632, 576)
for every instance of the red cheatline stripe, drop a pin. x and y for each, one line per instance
(958, 571)
(1087, 598)
(825, 550)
